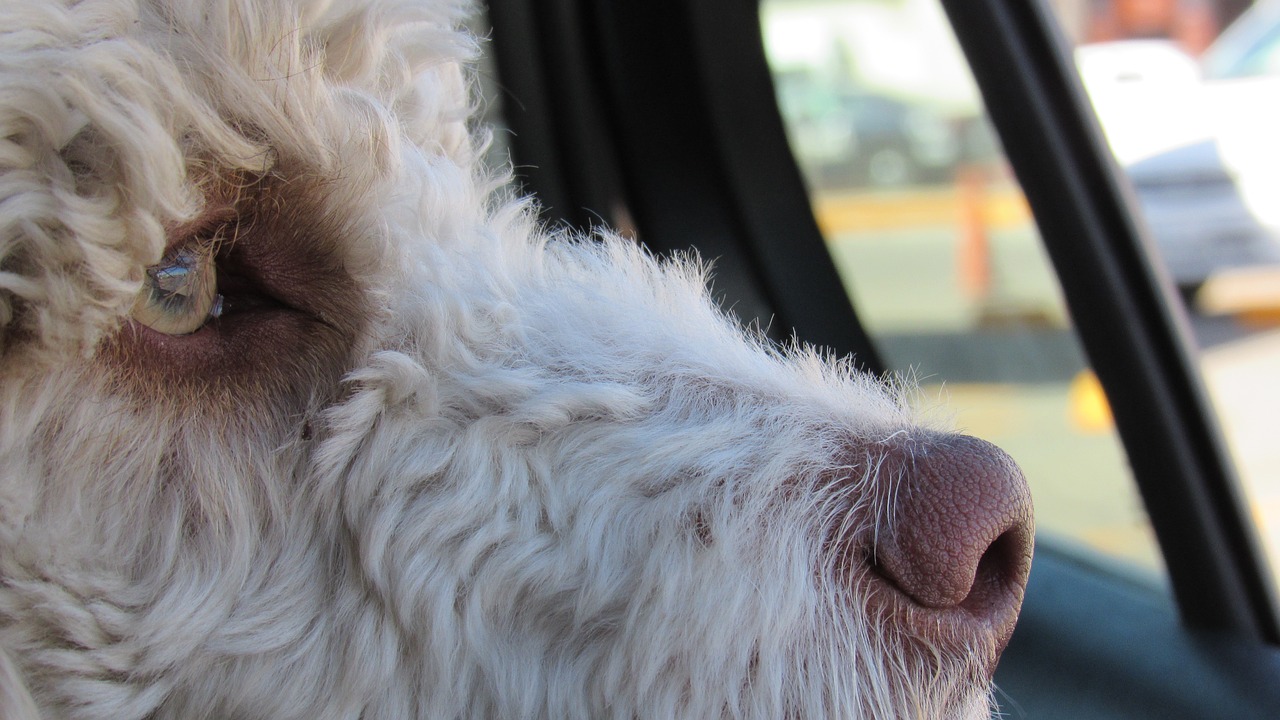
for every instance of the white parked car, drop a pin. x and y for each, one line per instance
(1199, 141)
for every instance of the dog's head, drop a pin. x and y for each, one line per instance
(302, 414)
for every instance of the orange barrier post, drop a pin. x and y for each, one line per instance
(973, 252)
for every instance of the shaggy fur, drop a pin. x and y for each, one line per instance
(455, 468)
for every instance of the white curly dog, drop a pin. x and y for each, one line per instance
(303, 416)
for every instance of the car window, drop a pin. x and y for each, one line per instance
(1250, 46)
(1262, 58)
(1203, 160)
(938, 251)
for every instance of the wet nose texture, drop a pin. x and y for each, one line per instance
(959, 531)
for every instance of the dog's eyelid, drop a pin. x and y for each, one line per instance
(212, 220)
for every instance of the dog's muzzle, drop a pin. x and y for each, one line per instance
(949, 551)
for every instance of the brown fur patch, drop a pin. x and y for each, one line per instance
(293, 312)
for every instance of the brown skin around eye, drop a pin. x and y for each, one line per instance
(291, 311)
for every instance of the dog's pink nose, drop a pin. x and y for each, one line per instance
(957, 537)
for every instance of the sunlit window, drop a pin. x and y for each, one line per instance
(938, 251)
(1189, 101)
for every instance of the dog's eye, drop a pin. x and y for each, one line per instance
(180, 294)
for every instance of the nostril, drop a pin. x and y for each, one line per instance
(957, 531)
(999, 569)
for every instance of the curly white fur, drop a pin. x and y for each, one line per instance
(547, 479)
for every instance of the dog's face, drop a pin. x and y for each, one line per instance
(302, 415)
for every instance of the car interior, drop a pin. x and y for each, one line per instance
(713, 126)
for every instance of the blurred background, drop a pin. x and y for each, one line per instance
(939, 253)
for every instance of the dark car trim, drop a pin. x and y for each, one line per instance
(677, 89)
(1098, 640)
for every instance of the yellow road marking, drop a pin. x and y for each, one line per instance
(849, 212)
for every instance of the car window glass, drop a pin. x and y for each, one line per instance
(937, 249)
(1191, 118)
(1262, 59)
(1247, 46)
